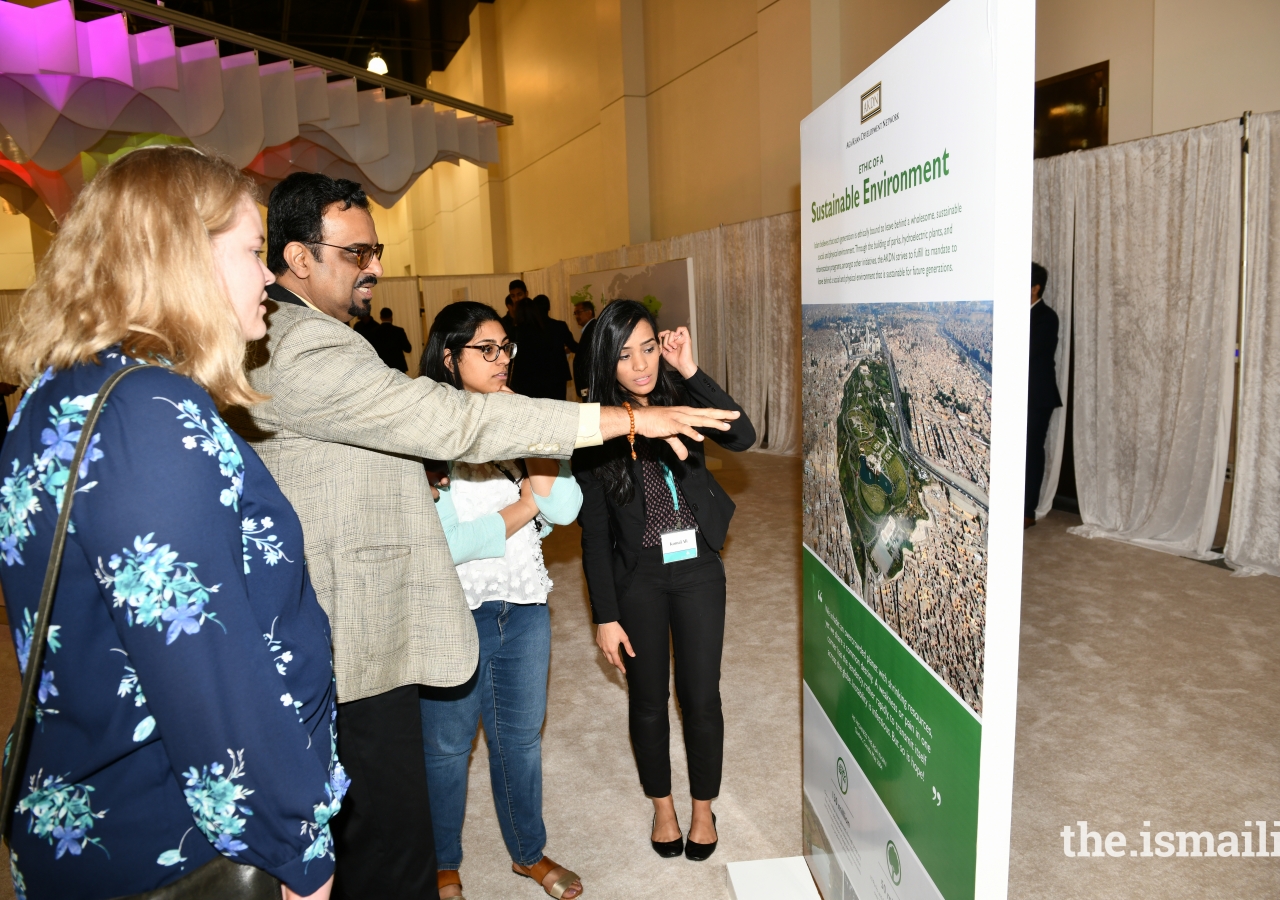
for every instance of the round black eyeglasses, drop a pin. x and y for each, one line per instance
(490, 351)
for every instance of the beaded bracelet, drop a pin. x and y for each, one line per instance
(631, 436)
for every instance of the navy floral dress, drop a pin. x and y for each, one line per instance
(186, 704)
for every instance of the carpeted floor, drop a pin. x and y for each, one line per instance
(1148, 692)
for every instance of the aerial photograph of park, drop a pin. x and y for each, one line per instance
(897, 432)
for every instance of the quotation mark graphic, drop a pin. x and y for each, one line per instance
(937, 796)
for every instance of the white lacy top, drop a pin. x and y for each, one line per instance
(519, 575)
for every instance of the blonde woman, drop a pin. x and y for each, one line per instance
(186, 696)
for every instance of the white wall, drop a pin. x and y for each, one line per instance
(1214, 60)
(1174, 63)
(1072, 34)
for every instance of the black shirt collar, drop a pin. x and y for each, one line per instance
(284, 295)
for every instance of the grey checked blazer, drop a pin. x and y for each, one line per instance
(345, 437)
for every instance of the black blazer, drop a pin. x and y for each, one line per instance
(611, 534)
(367, 329)
(559, 330)
(1042, 380)
(392, 344)
(582, 358)
(540, 368)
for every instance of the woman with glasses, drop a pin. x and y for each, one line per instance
(495, 516)
(652, 529)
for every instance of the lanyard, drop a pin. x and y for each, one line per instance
(671, 486)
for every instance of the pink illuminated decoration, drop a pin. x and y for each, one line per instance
(74, 94)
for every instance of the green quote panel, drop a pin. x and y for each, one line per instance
(916, 741)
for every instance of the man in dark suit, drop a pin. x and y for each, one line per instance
(560, 333)
(1042, 388)
(516, 291)
(584, 313)
(392, 343)
(366, 327)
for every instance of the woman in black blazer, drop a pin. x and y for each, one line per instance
(652, 528)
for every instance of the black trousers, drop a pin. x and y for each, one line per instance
(678, 605)
(382, 837)
(1037, 430)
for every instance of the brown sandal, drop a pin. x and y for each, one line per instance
(446, 877)
(544, 867)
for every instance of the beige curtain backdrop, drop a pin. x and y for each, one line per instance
(1052, 242)
(1156, 281)
(747, 286)
(438, 291)
(1253, 540)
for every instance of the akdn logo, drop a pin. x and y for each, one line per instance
(894, 862)
(842, 775)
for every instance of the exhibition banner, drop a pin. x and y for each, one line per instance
(915, 251)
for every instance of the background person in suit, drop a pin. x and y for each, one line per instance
(344, 436)
(560, 333)
(392, 343)
(367, 328)
(542, 369)
(643, 599)
(559, 327)
(1042, 388)
(584, 313)
(516, 291)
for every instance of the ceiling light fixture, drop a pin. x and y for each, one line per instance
(377, 65)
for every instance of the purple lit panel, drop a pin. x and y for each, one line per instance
(155, 60)
(19, 40)
(104, 49)
(55, 25)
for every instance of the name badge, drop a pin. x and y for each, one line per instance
(678, 545)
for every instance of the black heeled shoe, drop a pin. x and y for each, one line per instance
(698, 852)
(666, 849)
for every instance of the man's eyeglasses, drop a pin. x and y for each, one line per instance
(490, 351)
(364, 253)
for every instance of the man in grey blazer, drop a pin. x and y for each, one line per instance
(345, 436)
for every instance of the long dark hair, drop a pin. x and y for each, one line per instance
(453, 329)
(611, 463)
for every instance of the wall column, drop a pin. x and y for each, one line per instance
(824, 41)
(624, 131)
(486, 74)
(783, 37)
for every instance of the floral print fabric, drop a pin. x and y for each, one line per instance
(186, 705)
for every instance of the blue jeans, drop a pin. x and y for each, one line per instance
(510, 696)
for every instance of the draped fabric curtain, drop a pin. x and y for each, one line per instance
(438, 291)
(1156, 282)
(747, 298)
(1253, 541)
(1052, 239)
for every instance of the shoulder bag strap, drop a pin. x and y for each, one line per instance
(21, 735)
